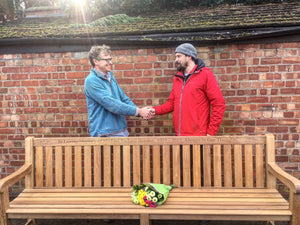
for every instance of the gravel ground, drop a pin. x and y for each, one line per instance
(136, 222)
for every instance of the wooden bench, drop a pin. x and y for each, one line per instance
(218, 178)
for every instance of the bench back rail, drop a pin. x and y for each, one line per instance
(122, 162)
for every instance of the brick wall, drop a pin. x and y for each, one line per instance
(43, 95)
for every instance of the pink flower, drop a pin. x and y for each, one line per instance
(152, 204)
(147, 202)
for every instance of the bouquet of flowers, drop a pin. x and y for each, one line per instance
(150, 195)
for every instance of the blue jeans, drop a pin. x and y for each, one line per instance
(123, 133)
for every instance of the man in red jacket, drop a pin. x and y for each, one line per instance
(196, 99)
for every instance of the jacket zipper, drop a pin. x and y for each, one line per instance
(179, 130)
(185, 79)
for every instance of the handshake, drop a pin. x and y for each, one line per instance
(147, 113)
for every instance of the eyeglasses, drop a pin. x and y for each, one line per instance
(107, 60)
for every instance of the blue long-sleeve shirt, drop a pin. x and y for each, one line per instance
(107, 104)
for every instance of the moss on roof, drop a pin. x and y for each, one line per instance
(163, 22)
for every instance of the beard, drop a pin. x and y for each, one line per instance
(181, 66)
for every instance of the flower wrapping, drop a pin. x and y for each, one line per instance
(150, 195)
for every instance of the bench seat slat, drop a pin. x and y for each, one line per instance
(141, 210)
(109, 199)
(175, 192)
(180, 205)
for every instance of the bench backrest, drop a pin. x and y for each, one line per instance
(220, 161)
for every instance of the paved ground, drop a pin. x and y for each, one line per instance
(136, 222)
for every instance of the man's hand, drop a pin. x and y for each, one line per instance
(147, 113)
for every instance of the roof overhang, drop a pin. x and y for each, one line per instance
(153, 39)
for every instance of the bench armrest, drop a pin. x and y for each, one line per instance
(290, 181)
(14, 177)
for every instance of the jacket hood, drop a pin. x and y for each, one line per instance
(200, 64)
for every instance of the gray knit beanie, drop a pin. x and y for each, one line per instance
(187, 49)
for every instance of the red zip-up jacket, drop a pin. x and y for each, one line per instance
(196, 101)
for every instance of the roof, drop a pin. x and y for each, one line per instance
(205, 25)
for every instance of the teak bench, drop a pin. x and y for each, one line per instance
(218, 178)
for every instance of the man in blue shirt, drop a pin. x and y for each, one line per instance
(107, 103)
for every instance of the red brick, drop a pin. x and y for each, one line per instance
(75, 75)
(295, 158)
(248, 46)
(125, 81)
(290, 84)
(290, 91)
(30, 83)
(259, 69)
(143, 95)
(236, 100)
(48, 82)
(281, 158)
(271, 46)
(296, 67)
(19, 76)
(258, 99)
(143, 80)
(266, 122)
(11, 83)
(7, 131)
(226, 62)
(152, 58)
(290, 45)
(270, 60)
(132, 73)
(49, 96)
(234, 130)
(288, 122)
(161, 95)
(32, 110)
(280, 99)
(123, 66)
(143, 66)
(291, 60)
(121, 52)
(277, 129)
(60, 130)
(248, 77)
(66, 82)
(67, 96)
(10, 70)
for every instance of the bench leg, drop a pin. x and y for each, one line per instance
(296, 210)
(145, 219)
(31, 222)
